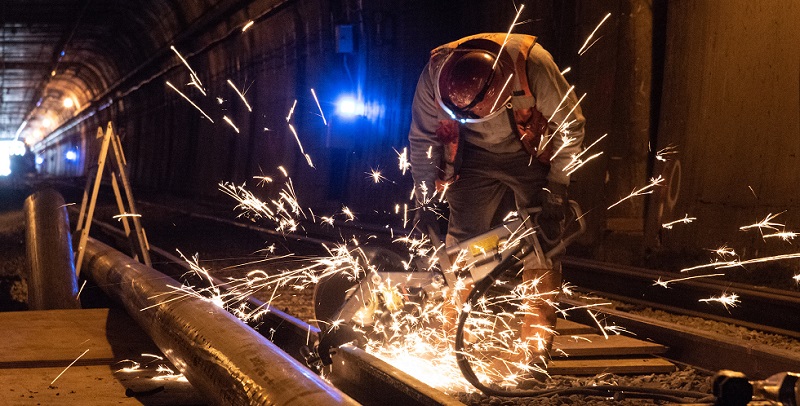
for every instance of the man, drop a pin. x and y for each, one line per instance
(493, 113)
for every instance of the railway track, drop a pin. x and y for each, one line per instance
(771, 310)
(292, 335)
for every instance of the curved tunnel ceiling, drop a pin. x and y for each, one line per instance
(54, 50)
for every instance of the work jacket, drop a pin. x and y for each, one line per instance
(546, 91)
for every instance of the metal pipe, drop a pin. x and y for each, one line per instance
(220, 356)
(52, 283)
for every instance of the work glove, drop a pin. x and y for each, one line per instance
(425, 218)
(554, 208)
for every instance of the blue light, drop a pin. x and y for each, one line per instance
(39, 160)
(71, 155)
(348, 106)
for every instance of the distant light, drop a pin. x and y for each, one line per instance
(47, 122)
(68, 103)
(53, 73)
(39, 160)
(71, 155)
(349, 106)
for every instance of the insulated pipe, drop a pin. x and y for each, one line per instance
(221, 357)
(52, 283)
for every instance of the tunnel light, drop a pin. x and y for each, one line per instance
(47, 122)
(39, 159)
(68, 102)
(71, 155)
(348, 106)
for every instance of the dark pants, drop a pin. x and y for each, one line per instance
(484, 179)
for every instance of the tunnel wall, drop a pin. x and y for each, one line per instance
(291, 49)
(730, 106)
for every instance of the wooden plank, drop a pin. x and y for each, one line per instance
(593, 345)
(567, 328)
(90, 385)
(58, 337)
(594, 366)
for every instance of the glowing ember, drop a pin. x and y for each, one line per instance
(727, 300)
(643, 191)
(685, 220)
(584, 47)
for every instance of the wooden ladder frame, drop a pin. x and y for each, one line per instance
(140, 248)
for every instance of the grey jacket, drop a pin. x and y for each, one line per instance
(548, 87)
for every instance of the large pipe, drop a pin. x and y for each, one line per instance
(52, 283)
(220, 356)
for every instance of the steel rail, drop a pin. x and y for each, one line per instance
(695, 347)
(360, 375)
(52, 283)
(770, 310)
(220, 356)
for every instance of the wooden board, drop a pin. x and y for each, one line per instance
(89, 385)
(58, 337)
(595, 345)
(594, 366)
(567, 328)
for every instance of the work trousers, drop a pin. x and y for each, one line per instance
(483, 180)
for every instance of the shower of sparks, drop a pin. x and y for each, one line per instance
(685, 220)
(70, 364)
(643, 191)
(78, 296)
(119, 217)
(377, 177)
(402, 159)
(163, 372)
(248, 25)
(796, 278)
(561, 103)
(760, 260)
(230, 123)
(784, 235)
(510, 28)
(291, 111)
(664, 153)
(241, 96)
(584, 47)
(418, 341)
(577, 160)
(715, 264)
(735, 263)
(190, 101)
(562, 127)
(192, 74)
(765, 224)
(659, 282)
(497, 100)
(753, 192)
(348, 213)
(285, 212)
(727, 300)
(325, 122)
(566, 70)
(302, 151)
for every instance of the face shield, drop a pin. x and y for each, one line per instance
(471, 83)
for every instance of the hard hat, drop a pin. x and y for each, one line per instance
(472, 81)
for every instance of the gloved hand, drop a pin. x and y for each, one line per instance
(554, 208)
(426, 217)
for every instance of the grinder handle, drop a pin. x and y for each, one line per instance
(569, 238)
